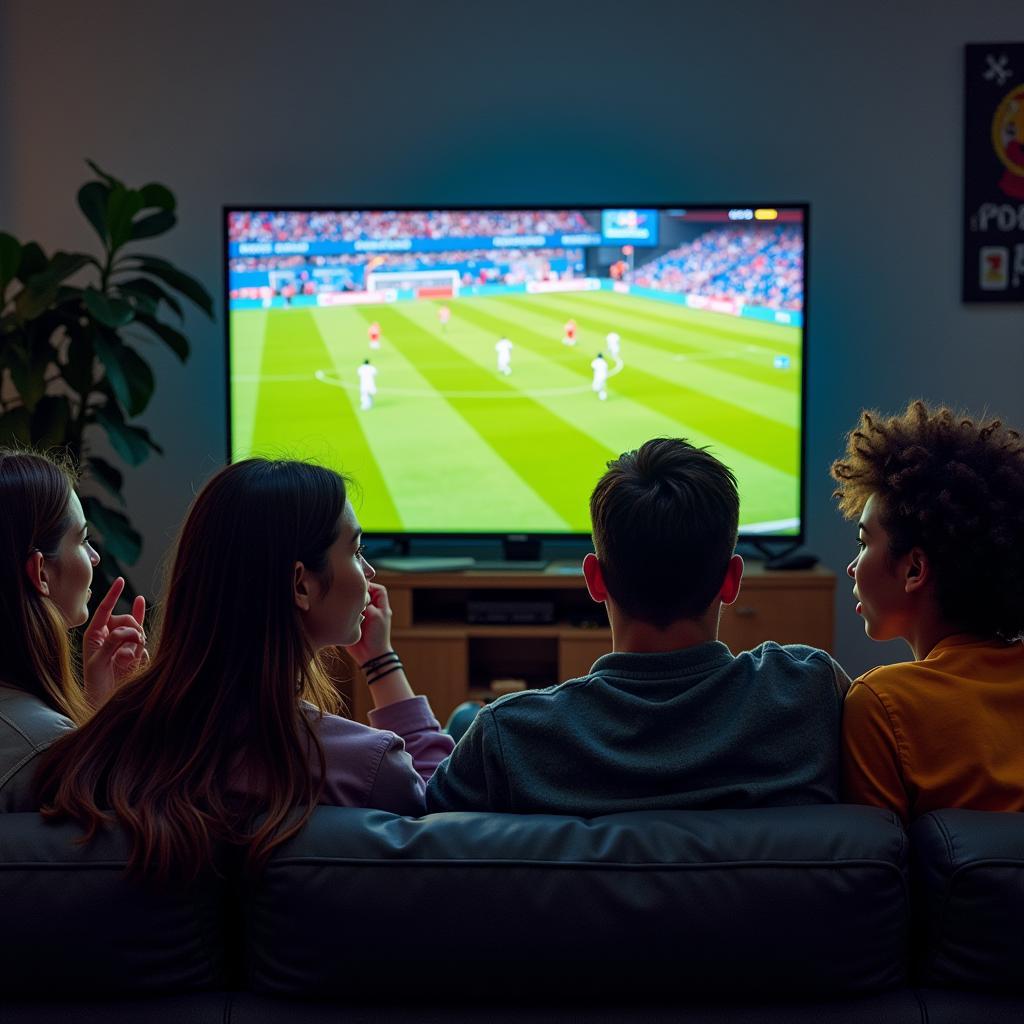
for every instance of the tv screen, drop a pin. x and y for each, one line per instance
(475, 369)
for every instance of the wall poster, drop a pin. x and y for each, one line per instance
(993, 250)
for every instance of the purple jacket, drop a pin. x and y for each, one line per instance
(385, 767)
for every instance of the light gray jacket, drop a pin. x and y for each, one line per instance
(27, 728)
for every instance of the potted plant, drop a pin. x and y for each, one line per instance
(72, 330)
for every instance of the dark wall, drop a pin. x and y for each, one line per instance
(853, 107)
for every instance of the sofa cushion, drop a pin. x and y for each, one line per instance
(73, 924)
(969, 899)
(957, 1006)
(897, 1007)
(809, 900)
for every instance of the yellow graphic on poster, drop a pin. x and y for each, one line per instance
(1008, 140)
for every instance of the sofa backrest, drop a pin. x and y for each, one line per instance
(969, 899)
(73, 925)
(687, 903)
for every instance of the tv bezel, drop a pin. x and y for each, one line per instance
(452, 537)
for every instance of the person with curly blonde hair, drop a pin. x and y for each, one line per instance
(939, 499)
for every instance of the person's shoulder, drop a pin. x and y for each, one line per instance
(533, 700)
(336, 731)
(793, 654)
(883, 679)
(800, 660)
(24, 716)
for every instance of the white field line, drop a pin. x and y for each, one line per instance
(331, 378)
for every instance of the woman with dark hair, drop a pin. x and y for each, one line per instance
(938, 498)
(46, 566)
(232, 734)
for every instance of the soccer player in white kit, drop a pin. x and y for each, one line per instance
(504, 350)
(444, 314)
(600, 367)
(612, 341)
(367, 384)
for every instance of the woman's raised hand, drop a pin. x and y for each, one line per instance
(375, 637)
(114, 646)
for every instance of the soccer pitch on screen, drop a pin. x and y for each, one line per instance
(451, 444)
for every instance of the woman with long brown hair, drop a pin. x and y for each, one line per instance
(232, 735)
(46, 567)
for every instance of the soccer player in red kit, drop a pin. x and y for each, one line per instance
(569, 337)
(374, 333)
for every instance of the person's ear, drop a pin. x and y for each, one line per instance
(917, 573)
(35, 569)
(300, 585)
(731, 584)
(594, 576)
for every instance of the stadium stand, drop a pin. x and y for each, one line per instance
(757, 267)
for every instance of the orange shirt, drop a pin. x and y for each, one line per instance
(946, 731)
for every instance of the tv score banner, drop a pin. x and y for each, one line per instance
(993, 250)
(639, 227)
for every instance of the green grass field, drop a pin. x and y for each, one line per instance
(451, 444)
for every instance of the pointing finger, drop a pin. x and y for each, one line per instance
(139, 609)
(106, 606)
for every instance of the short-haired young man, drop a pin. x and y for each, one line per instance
(671, 718)
(940, 503)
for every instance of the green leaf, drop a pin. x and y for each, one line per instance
(107, 346)
(129, 374)
(122, 206)
(155, 195)
(112, 182)
(154, 291)
(69, 294)
(10, 257)
(108, 310)
(41, 288)
(175, 340)
(140, 379)
(33, 260)
(140, 301)
(28, 372)
(107, 476)
(50, 420)
(133, 444)
(16, 426)
(29, 304)
(60, 268)
(78, 370)
(120, 538)
(92, 200)
(178, 280)
(153, 224)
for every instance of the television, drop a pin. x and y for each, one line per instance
(474, 370)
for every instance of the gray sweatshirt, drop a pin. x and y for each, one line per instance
(695, 728)
(27, 728)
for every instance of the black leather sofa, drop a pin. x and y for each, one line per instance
(795, 914)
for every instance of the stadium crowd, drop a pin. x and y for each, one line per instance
(357, 225)
(754, 266)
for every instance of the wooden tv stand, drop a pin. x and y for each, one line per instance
(450, 659)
